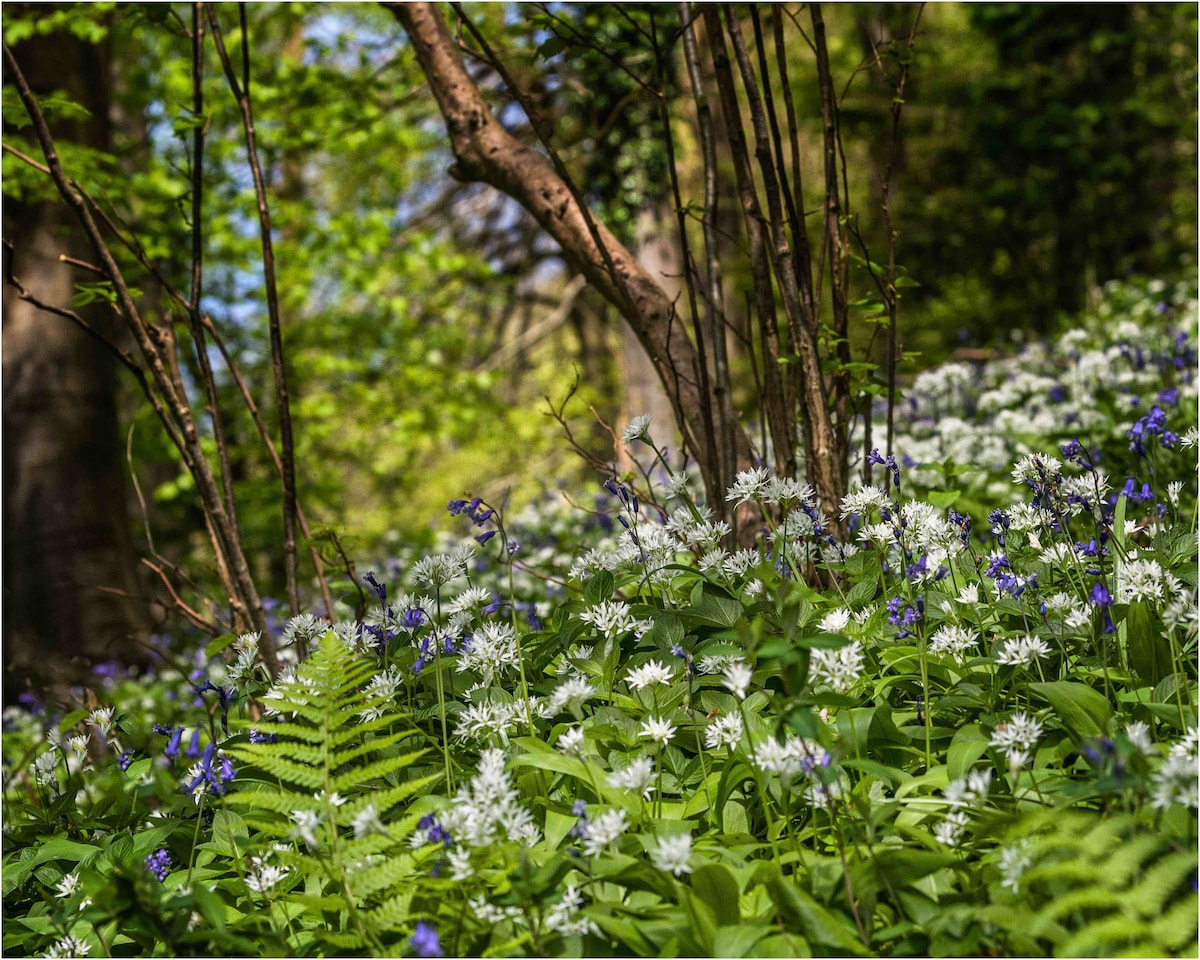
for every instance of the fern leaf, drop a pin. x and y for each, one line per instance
(277, 763)
(1100, 937)
(340, 758)
(373, 771)
(1151, 894)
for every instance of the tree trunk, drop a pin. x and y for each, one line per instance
(70, 591)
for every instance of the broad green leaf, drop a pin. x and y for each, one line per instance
(1149, 650)
(816, 922)
(737, 941)
(969, 744)
(715, 885)
(1083, 711)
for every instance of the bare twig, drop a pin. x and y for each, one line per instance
(26, 158)
(241, 93)
(778, 404)
(197, 273)
(195, 618)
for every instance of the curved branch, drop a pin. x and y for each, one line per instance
(486, 152)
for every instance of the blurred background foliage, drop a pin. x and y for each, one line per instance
(1044, 149)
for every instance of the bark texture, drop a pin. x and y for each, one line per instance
(70, 590)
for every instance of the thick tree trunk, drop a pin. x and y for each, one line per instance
(70, 591)
(486, 152)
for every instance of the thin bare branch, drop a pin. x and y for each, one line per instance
(241, 93)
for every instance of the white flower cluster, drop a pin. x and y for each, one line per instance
(1022, 651)
(1017, 738)
(611, 617)
(1175, 780)
(262, 877)
(953, 640)
(724, 731)
(380, 693)
(637, 775)
(571, 695)
(963, 793)
(671, 853)
(491, 650)
(839, 668)
(1013, 860)
(790, 757)
(488, 809)
(605, 830)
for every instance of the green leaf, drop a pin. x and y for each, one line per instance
(1083, 711)
(737, 941)
(969, 744)
(715, 885)
(551, 47)
(816, 922)
(218, 644)
(713, 610)
(599, 588)
(1149, 650)
(943, 498)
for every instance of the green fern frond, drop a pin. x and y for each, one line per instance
(384, 800)
(1104, 886)
(394, 871)
(390, 914)
(1151, 894)
(277, 760)
(375, 770)
(346, 941)
(363, 885)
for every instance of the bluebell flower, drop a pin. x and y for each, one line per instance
(214, 777)
(256, 736)
(917, 570)
(1091, 549)
(456, 506)
(159, 863)
(1133, 494)
(1151, 425)
(124, 760)
(193, 749)
(379, 588)
(424, 941)
(413, 618)
(997, 563)
(903, 615)
(172, 750)
(225, 699)
(434, 831)
(963, 522)
(1076, 453)
(890, 462)
(485, 536)
(1012, 584)
(1103, 599)
(579, 830)
(1056, 394)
